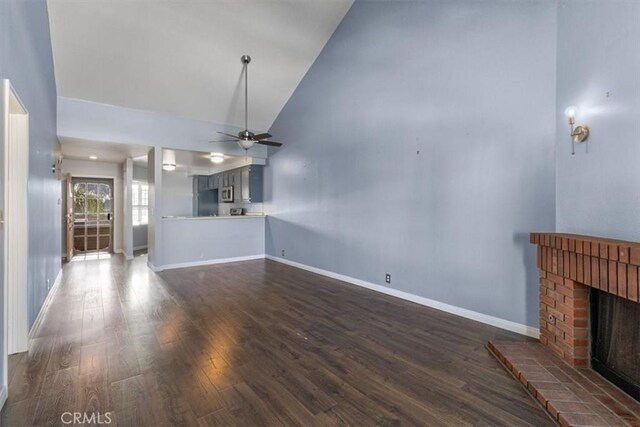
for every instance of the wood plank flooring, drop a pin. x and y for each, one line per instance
(254, 343)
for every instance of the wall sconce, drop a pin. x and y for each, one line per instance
(579, 133)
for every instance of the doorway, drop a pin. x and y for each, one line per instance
(14, 173)
(92, 216)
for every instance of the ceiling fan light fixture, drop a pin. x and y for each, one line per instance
(245, 138)
(217, 157)
(246, 143)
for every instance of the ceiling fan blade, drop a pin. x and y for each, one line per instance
(228, 134)
(262, 136)
(270, 143)
(224, 140)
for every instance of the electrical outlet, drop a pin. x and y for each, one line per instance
(387, 278)
(283, 252)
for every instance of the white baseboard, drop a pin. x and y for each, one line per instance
(3, 396)
(126, 255)
(46, 303)
(138, 248)
(209, 262)
(462, 312)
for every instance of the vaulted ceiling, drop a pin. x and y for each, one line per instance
(183, 57)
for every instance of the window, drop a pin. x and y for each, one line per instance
(140, 202)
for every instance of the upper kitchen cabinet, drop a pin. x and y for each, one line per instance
(213, 182)
(247, 183)
(201, 182)
(238, 185)
(251, 184)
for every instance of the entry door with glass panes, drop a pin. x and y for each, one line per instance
(92, 215)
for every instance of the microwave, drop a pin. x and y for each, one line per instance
(227, 194)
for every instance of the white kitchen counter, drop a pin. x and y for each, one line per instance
(199, 218)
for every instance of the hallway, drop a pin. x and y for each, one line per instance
(253, 343)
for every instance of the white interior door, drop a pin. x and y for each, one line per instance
(16, 229)
(4, 136)
(14, 161)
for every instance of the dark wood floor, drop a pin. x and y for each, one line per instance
(254, 343)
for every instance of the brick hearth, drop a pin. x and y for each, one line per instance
(573, 396)
(569, 265)
(569, 390)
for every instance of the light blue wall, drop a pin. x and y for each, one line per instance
(196, 240)
(140, 235)
(598, 52)
(95, 122)
(421, 143)
(26, 59)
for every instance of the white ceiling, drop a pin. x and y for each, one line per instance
(196, 162)
(183, 56)
(189, 162)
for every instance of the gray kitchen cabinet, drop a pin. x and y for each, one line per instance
(203, 182)
(205, 201)
(256, 183)
(236, 182)
(211, 182)
(245, 193)
(249, 184)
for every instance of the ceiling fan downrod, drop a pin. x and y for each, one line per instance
(246, 59)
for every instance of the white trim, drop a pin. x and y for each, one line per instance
(206, 262)
(3, 396)
(16, 174)
(126, 256)
(459, 311)
(46, 303)
(139, 248)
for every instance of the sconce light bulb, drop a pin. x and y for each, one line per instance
(570, 112)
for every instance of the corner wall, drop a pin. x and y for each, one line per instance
(26, 59)
(421, 144)
(598, 188)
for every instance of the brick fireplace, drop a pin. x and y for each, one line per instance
(569, 265)
(557, 369)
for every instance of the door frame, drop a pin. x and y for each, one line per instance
(67, 216)
(112, 185)
(14, 127)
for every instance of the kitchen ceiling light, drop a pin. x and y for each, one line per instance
(169, 160)
(217, 157)
(93, 158)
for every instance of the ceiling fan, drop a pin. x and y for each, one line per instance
(245, 138)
